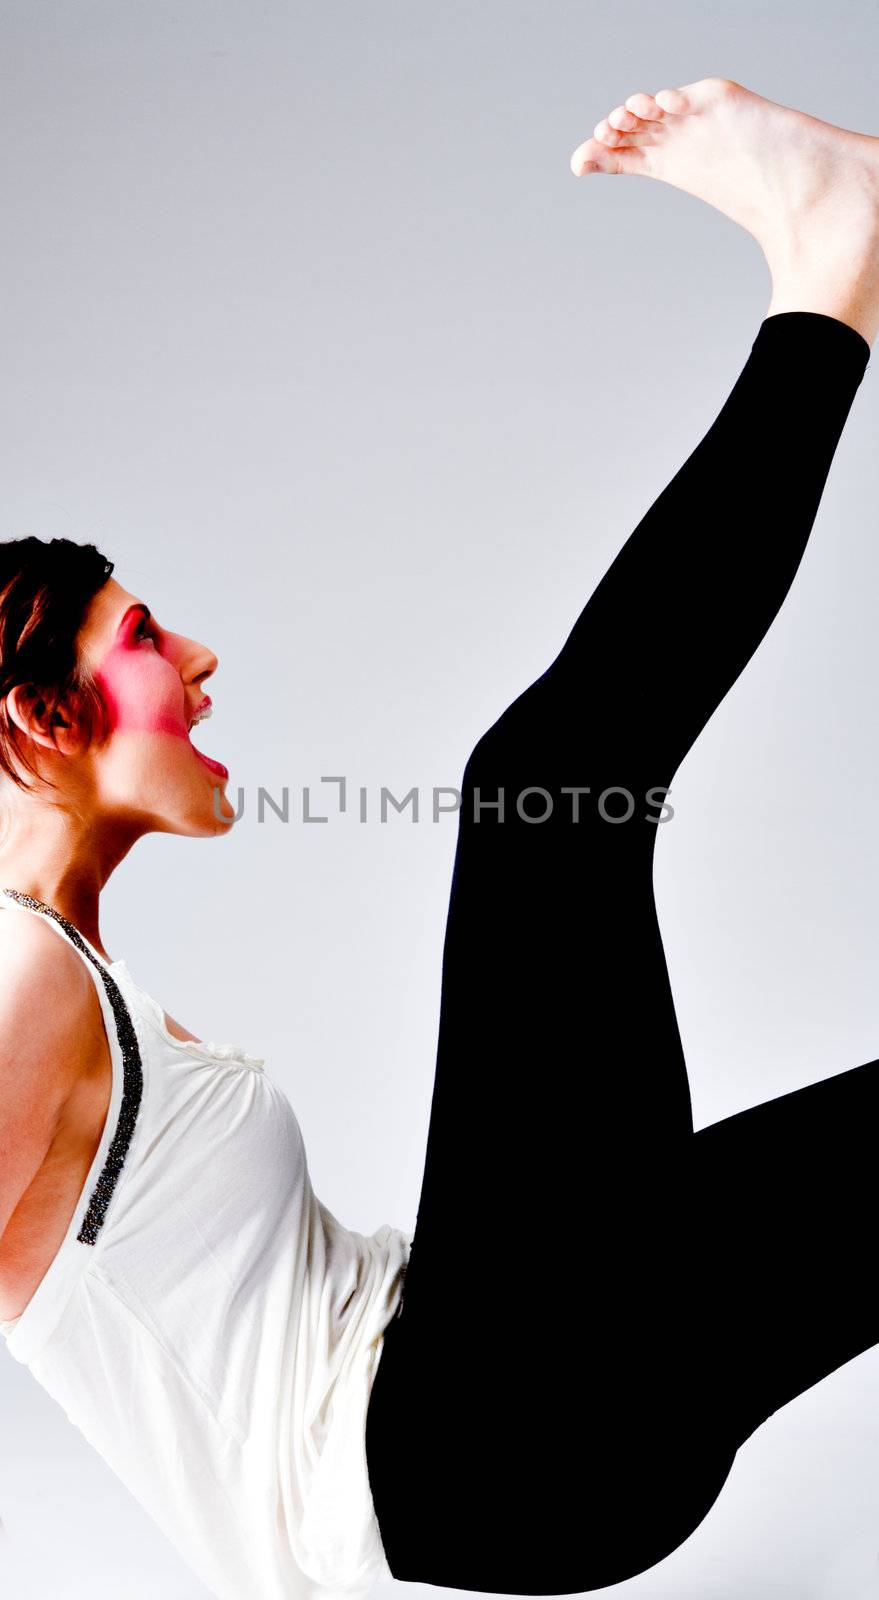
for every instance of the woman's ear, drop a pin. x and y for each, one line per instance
(58, 730)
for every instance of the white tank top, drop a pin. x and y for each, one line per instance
(207, 1324)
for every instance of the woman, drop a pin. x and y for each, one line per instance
(600, 1305)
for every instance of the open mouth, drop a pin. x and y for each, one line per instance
(201, 714)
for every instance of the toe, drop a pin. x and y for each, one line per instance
(672, 100)
(623, 120)
(642, 136)
(605, 133)
(591, 157)
(595, 156)
(586, 157)
(645, 107)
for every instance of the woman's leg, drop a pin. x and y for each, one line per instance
(553, 962)
(786, 1192)
(546, 1417)
(550, 1328)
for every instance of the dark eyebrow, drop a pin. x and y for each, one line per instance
(131, 609)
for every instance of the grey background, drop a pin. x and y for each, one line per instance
(305, 321)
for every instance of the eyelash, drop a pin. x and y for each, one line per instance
(138, 632)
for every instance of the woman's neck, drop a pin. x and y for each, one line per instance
(58, 858)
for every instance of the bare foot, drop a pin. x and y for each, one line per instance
(807, 190)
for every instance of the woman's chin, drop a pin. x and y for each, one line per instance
(220, 813)
(206, 823)
(223, 813)
(201, 812)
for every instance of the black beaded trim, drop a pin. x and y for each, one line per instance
(132, 1075)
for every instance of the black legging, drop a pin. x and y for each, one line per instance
(602, 1305)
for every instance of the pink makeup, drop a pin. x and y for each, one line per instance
(143, 689)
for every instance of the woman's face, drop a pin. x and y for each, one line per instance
(146, 773)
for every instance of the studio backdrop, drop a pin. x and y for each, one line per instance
(307, 324)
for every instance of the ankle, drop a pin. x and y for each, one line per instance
(855, 304)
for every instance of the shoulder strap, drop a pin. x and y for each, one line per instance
(132, 1067)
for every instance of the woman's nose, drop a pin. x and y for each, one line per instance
(202, 662)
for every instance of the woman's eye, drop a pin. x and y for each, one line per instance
(142, 631)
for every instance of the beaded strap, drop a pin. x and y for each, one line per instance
(132, 1074)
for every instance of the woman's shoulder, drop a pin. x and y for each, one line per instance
(28, 942)
(46, 992)
(50, 1036)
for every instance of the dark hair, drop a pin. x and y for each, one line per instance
(45, 588)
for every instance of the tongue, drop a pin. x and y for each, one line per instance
(214, 766)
